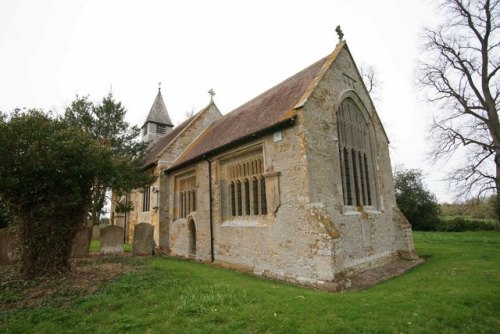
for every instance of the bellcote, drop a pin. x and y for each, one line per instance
(158, 122)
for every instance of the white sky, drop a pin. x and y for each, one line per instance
(51, 50)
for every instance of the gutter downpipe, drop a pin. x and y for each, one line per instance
(212, 258)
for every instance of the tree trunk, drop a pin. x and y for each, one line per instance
(497, 184)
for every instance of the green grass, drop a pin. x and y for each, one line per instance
(95, 244)
(456, 291)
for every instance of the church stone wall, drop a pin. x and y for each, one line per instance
(290, 243)
(308, 235)
(367, 237)
(204, 120)
(179, 234)
(189, 135)
(311, 238)
(158, 215)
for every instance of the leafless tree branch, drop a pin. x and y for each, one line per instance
(459, 74)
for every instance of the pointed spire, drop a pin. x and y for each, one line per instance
(158, 112)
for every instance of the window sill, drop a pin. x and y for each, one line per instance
(251, 222)
(351, 211)
(356, 211)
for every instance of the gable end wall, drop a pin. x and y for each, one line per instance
(366, 237)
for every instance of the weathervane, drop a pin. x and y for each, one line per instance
(211, 93)
(339, 32)
(159, 85)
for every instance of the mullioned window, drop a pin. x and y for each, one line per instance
(356, 155)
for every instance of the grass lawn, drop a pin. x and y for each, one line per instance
(456, 291)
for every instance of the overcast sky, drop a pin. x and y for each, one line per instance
(51, 50)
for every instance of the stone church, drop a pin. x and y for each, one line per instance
(295, 184)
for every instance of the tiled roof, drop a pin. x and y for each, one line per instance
(158, 112)
(271, 108)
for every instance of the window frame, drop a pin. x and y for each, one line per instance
(185, 188)
(240, 172)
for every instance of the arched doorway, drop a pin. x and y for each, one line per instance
(192, 237)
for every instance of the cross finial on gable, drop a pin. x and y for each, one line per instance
(211, 93)
(339, 32)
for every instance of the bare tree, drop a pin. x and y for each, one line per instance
(370, 78)
(189, 113)
(459, 73)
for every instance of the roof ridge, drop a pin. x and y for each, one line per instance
(321, 73)
(272, 107)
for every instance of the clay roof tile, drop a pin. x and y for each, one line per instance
(269, 109)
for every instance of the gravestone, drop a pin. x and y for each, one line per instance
(111, 240)
(8, 245)
(96, 233)
(80, 245)
(143, 239)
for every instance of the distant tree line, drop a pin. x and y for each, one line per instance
(420, 207)
(477, 208)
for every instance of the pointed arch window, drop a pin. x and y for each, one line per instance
(356, 155)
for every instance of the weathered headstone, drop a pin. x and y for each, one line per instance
(96, 232)
(80, 246)
(8, 245)
(143, 239)
(111, 240)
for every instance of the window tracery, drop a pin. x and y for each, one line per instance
(247, 187)
(185, 195)
(355, 152)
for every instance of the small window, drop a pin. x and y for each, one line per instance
(146, 196)
(145, 130)
(263, 199)
(161, 129)
(233, 199)
(238, 197)
(246, 187)
(255, 191)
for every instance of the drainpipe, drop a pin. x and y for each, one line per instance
(212, 258)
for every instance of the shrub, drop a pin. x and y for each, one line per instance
(461, 224)
(46, 172)
(417, 203)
